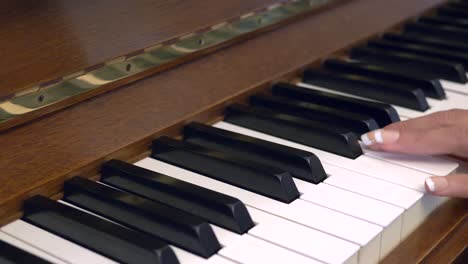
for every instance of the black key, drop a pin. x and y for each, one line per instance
(384, 114)
(458, 5)
(462, 257)
(444, 21)
(431, 88)
(12, 255)
(355, 122)
(101, 236)
(420, 66)
(446, 15)
(428, 40)
(388, 92)
(217, 208)
(310, 133)
(445, 32)
(453, 11)
(301, 164)
(461, 21)
(243, 173)
(422, 50)
(169, 224)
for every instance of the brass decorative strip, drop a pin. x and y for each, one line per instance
(64, 88)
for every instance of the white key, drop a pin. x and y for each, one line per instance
(440, 105)
(460, 88)
(52, 244)
(388, 216)
(363, 164)
(410, 200)
(357, 205)
(251, 250)
(264, 231)
(410, 113)
(30, 249)
(224, 236)
(428, 203)
(453, 100)
(332, 222)
(232, 241)
(372, 187)
(348, 202)
(299, 238)
(185, 257)
(427, 164)
(402, 111)
(292, 236)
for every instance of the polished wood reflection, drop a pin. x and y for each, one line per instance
(437, 240)
(45, 40)
(38, 156)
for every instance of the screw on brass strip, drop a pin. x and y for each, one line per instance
(92, 78)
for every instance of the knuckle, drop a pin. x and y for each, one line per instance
(400, 126)
(459, 135)
(449, 116)
(460, 132)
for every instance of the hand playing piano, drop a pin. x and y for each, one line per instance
(443, 132)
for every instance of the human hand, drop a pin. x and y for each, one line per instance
(443, 132)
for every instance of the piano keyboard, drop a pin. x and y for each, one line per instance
(283, 178)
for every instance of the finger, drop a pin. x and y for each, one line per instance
(443, 140)
(455, 185)
(439, 133)
(437, 119)
(414, 127)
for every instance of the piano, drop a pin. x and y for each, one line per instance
(226, 131)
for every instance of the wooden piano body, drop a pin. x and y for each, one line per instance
(45, 41)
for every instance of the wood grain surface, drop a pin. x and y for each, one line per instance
(45, 40)
(438, 240)
(36, 157)
(70, 100)
(449, 249)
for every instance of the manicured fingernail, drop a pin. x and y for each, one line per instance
(380, 136)
(436, 183)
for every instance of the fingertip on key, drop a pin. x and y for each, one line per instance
(436, 184)
(380, 136)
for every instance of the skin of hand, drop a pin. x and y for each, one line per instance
(439, 133)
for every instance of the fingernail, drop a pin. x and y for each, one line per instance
(436, 183)
(380, 136)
